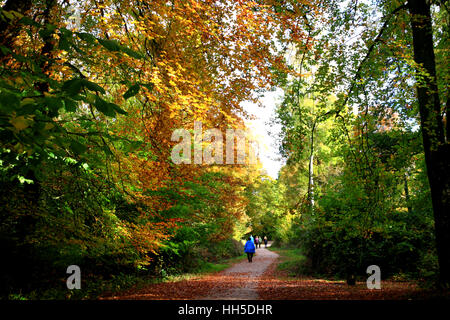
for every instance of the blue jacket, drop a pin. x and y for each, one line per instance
(249, 247)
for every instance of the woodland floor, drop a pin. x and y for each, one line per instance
(260, 280)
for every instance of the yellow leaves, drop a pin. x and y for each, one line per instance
(19, 148)
(19, 80)
(173, 114)
(20, 123)
(49, 126)
(26, 101)
(11, 14)
(184, 100)
(90, 98)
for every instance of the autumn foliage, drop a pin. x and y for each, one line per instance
(90, 94)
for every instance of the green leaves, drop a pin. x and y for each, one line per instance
(9, 101)
(115, 46)
(111, 45)
(65, 39)
(70, 105)
(77, 147)
(118, 109)
(92, 86)
(104, 107)
(131, 53)
(132, 91)
(107, 108)
(29, 22)
(74, 86)
(53, 104)
(46, 32)
(87, 37)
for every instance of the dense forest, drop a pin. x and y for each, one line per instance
(92, 94)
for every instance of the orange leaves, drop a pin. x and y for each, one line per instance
(201, 59)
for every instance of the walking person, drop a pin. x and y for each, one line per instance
(249, 249)
(256, 242)
(265, 241)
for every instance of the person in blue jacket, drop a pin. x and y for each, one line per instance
(249, 249)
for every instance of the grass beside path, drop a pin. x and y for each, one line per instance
(291, 261)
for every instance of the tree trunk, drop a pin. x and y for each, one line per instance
(311, 171)
(436, 148)
(407, 197)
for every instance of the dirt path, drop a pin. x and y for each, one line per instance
(247, 275)
(241, 281)
(260, 280)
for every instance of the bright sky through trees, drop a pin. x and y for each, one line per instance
(265, 132)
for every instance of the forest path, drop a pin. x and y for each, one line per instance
(261, 280)
(238, 282)
(246, 276)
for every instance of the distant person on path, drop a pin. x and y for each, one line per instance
(265, 241)
(256, 242)
(258, 245)
(249, 249)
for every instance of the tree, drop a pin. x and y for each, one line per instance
(436, 142)
(97, 102)
(380, 67)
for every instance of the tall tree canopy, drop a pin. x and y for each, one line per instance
(92, 92)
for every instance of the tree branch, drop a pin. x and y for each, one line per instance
(369, 52)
